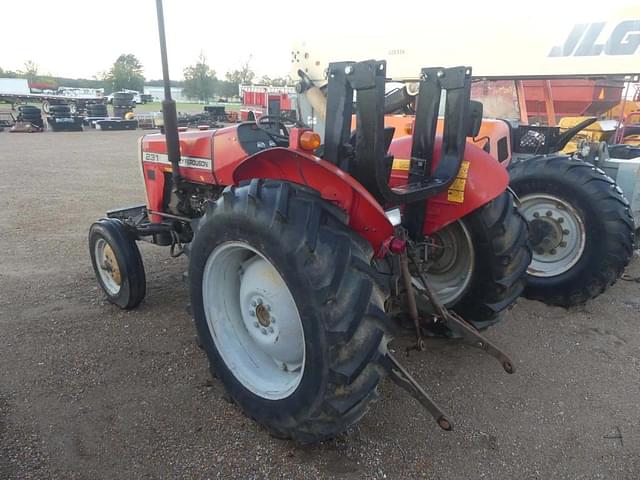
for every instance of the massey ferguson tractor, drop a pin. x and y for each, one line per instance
(306, 258)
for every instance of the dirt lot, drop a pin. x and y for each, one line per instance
(90, 392)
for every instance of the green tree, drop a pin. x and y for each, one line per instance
(126, 73)
(281, 81)
(160, 83)
(30, 70)
(242, 76)
(8, 74)
(199, 80)
(275, 82)
(227, 89)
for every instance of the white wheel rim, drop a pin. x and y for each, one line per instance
(452, 263)
(108, 268)
(557, 234)
(253, 320)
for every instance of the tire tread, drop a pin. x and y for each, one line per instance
(337, 266)
(612, 217)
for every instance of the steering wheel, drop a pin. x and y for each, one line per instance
(266, 123)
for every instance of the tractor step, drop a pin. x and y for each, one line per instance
(128, 213)
(432, 183)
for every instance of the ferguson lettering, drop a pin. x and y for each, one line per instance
(188, 162)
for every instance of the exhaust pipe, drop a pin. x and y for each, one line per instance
(169, 113)
(315, 97)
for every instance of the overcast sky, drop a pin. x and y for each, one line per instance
(75, 38)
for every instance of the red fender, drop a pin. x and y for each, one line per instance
(480, 180)
(366, 216)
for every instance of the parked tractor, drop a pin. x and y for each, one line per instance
(305, 259)
(581, 224)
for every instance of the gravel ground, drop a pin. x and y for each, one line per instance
(90, 392)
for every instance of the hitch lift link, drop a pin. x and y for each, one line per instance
(470, 336)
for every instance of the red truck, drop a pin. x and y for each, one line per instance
(258, 100)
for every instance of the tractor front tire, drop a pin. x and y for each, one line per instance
(581, 228)
(117, 263)
(287, 309)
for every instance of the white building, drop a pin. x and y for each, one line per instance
(158, 94)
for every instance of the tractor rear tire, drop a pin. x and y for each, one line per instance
(97, 110)
(117, 263)
(27, 117)
(28, 109)
(572, 205)
(61, 113)
(304, 248)
(501, 256)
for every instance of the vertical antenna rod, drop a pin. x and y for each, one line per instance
(169, 106)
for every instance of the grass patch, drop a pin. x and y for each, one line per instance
(185, 107)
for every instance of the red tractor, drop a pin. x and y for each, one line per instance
(304, 259)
